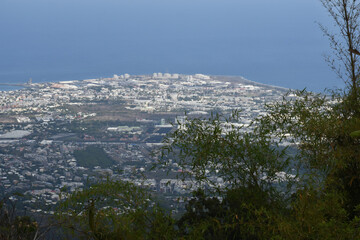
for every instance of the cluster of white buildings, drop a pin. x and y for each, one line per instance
(149, 93)
(41, 165)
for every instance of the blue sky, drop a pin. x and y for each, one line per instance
(276, 42)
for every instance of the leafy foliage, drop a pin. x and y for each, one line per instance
(222, 147)
(13, 225)
(114, 210)
(242, 173)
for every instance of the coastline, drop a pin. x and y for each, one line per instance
(236, 78)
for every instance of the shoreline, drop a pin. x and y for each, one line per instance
(237, 78)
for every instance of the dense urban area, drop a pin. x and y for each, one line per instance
(69, 133)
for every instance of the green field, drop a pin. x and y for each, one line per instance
(93, 156)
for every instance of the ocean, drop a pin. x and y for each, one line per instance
(272, 42)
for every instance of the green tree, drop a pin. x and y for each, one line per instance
(13, 225)
(221, 146)
(243, 177)
(345, 43)
(114, 210)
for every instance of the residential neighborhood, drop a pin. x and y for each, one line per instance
(47, 129)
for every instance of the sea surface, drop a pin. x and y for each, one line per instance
(273, 42)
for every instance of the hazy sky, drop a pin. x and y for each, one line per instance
(276, 42)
